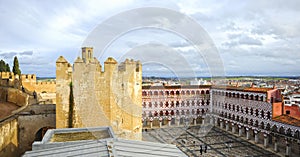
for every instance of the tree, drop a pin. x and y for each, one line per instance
(71, 107)
(7, 67)
(4, 67)
(16, 69)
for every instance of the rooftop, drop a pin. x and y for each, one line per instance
(247, 89)
(96, 142)
(176, 87)
(287, 119)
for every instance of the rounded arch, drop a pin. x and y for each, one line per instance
(262, 125)
(256, 97)
(41, 132)
(172, 93)
(161, 113)
(274, 128)
(167, 113)
(281, 130)
(251, 97)
(288, 132)
(297, 134)
(192, 92)
(207, 92)
(172, 112)
(161, 92)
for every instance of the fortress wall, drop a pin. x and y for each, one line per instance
(128, 98)
(18, 132)
(88, 111)
(30, 83)
(101, 98)
(63, 80)
(45, 87)
(14, 96)
(7, 75)
(17, 97)
(9, 137)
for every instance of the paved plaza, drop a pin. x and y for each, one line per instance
(217, 142)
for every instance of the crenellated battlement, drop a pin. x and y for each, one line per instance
(7, 75)
(30, 83)
(109, 64)
(28, 77)
(129, 65)
(98, 93)
(46, 83)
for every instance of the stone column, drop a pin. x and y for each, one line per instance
(211, 120)
(151, 124)
(276, 144)
(233, 128)
(203, 122)
(221, 124)
(227, 126)
(256, 136)
(195, 121)
(169, 122)
(160, 122)
(240, 131)
(288, 147)
(265, 140)
(247, 134)
(178, 121)
(216, 122)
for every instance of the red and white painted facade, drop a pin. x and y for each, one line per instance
(173, 104)
(246, 111)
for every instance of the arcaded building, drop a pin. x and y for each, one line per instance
(174, 105)
(254, 113)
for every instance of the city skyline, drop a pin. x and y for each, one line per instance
(253, 37)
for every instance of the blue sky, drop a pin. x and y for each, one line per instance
(257, 37)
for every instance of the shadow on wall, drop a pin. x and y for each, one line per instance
(10, 150)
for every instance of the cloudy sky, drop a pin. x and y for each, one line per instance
(254, 37)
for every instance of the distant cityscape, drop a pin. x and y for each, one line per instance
(140, 78)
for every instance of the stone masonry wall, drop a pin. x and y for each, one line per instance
(30, 83)
(101, 98)
(13, 95)
(9, 137)
(63, 80)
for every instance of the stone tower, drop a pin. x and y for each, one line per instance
(87, 54)
(101, 98)
(63, 80)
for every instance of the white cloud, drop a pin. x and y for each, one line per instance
(257, 33)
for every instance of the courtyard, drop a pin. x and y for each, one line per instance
(217, 142)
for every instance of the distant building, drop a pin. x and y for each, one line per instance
(292, 99)
(173, 105)
(198, 82)
(254, 112)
